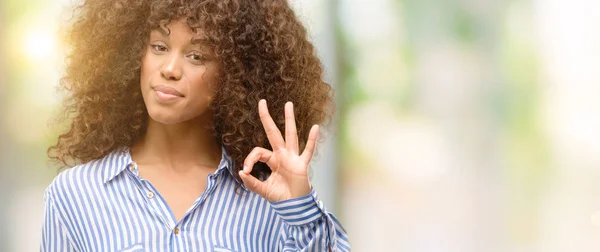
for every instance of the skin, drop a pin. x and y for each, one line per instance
(178, 151)
(289, 177)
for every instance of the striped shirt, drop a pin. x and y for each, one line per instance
(104, 205)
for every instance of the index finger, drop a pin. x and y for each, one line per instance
(273, 133)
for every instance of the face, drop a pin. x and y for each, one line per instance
(177, 75)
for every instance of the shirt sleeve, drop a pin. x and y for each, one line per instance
(309, 227)
(54, 234)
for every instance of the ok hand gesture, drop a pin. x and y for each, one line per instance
(289, 168)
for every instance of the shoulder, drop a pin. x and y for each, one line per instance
(73, 182)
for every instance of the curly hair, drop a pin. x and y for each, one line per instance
(262, 49)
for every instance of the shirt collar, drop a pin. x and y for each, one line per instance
(117, 161)
(227, 163)
(114, 163)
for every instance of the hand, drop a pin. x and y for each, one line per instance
(289, 170)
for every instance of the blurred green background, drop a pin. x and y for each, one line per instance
(462, 125)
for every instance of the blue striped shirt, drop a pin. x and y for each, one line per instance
(104, 205)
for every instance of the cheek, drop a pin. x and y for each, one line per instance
(148, 68)
(204, 85)
(144, 71)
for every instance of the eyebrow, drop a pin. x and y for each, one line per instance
(194, 41)
(161, 31)
(201, 41)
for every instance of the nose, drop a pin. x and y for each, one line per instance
(171, 69)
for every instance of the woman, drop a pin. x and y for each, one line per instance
(172, 141)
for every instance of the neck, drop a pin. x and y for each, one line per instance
(183, 146)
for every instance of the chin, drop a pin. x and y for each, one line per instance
(176, 113)
(164, 116)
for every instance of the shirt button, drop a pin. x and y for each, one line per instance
(150, 195)
(132, 167)
(176, 230)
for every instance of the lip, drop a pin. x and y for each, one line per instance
(166, 94)
(167, 90)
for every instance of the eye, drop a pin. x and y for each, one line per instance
(196, 57)
(159, 48)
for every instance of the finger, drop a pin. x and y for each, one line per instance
(257, 154)
(273, 133)
(253, 184)
(291, 134)
(309, 149)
